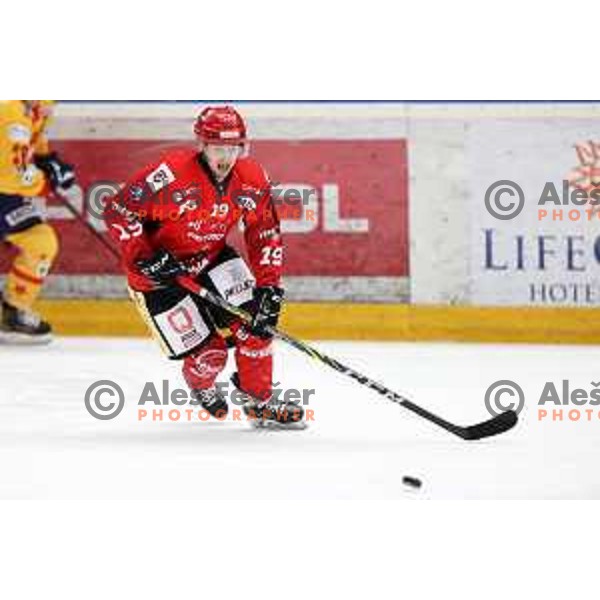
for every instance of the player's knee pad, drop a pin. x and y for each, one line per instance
(38, 247)
(201, 368)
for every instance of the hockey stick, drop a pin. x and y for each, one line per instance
(498, 424)
(79, 217)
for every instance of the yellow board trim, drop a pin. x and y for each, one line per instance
(332, 321)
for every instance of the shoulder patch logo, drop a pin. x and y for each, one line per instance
(246, 202)
(161, 177)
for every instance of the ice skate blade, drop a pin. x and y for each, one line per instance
(11, 338)
(268, 425)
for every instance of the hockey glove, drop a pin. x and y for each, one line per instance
(161, 268)
(265, 310)
(61, 175)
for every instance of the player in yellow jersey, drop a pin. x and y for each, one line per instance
(27, 170)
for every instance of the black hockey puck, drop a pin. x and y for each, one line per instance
(412, 482)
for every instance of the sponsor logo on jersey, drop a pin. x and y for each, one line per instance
(19, 133)
(196, 224)
(207, 237)
(161, 177)
(136, 192)
(269, 233)
(238, 288)
(246, 202)
(188, 205)
(21, 214)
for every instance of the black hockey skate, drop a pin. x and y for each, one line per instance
(212, 401)
(272, 413)
(23, 327)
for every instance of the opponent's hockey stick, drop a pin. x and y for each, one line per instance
(498, 424)
(79, 217)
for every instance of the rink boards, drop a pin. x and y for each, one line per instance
(363, 321)
(402, 245)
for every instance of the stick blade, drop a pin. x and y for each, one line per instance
(495, 426)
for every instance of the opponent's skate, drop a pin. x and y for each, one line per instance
(19, 326)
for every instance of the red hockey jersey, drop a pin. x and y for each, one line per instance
(176, 204)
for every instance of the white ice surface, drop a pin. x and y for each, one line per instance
(359, 445)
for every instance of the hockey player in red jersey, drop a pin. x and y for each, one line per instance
(173, 218)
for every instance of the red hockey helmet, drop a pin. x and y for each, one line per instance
(220, 125)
